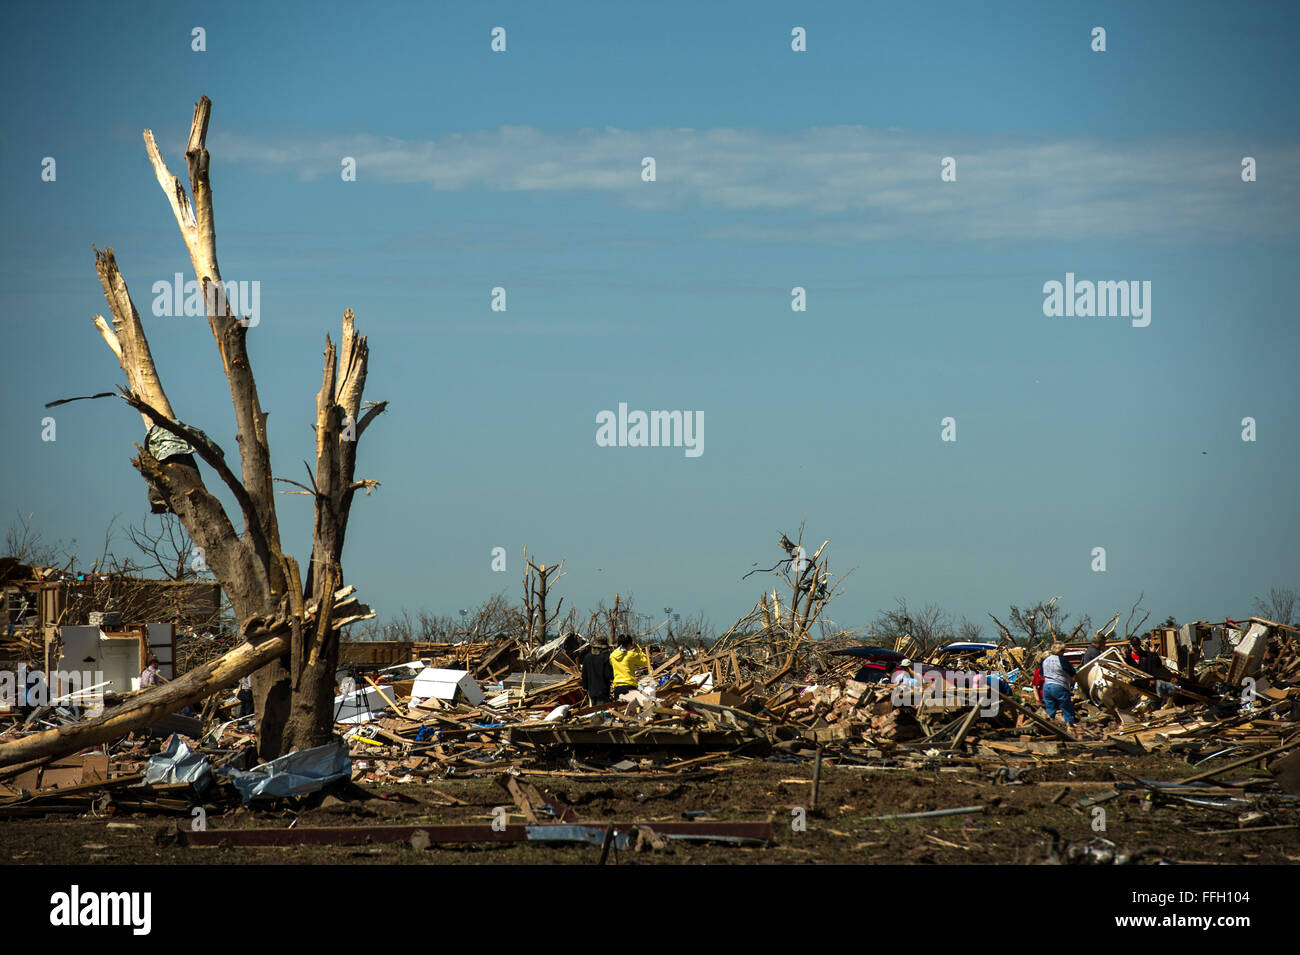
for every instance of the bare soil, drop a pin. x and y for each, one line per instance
(1018, 824)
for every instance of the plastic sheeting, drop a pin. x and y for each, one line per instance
(179, 764)
(294, 774)
(163, 444)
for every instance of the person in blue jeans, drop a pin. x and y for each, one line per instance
(1058, 684)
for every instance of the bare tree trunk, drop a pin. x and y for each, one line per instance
(339, 425)
(538, 580)
(293, 686)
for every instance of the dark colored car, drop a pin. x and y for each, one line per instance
(878, 664)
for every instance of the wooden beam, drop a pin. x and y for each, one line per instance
(1021, 708)
(967, 723)
(1244, 761)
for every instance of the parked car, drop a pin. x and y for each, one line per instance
(878, 664)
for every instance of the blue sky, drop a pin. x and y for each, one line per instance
(775, 169)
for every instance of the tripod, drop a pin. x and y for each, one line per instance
(364, 699)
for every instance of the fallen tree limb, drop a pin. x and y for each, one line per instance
(268, 641)
(1244, 761)
(197, 684)
(1050, 727)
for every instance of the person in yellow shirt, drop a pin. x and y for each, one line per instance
(626, 660)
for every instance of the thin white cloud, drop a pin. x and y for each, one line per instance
(846, 183)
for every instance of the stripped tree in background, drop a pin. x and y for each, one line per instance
(538, 581)
(782, 630)
(289, 621)
(809, 580)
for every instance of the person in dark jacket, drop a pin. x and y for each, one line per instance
(1140, 658)
(597, 673)
(1095, 649)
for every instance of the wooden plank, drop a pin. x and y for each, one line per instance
(1021, 708)
(965, 727)
(376, 730)
(1031, 748)
(1095, 800)
(668, 664)
(377, 835)
(521, 798)
(696, 760)
(1238, 763)
(550, 733)
(834, 733)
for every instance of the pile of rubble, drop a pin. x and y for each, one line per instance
(698, 707)
(1223, 697)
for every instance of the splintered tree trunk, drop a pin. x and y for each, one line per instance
(538, 580)
(295, 623)
(315, 657)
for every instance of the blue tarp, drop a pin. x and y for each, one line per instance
(294, 774)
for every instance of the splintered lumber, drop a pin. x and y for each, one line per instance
(523, 800)
(741, 715)
(386, 698)
(944, 730)
(740, 832)
(965, 727)
(652, 735)
(1031, 748)
(497, 660)
(266, 639)
(153, 703)
(390, 736)
(1021, 708)
(667, 665)
(454, 800)
(961, 810)
(837, 732)
(1244, 761)
(550, 690)
(817, 777)
(1218, 727)
(529, 799)
(696, 760)
(780, 674)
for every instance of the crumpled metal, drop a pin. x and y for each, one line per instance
(293, 774)
(179, 764)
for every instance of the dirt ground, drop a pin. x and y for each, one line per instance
(1019, 822)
